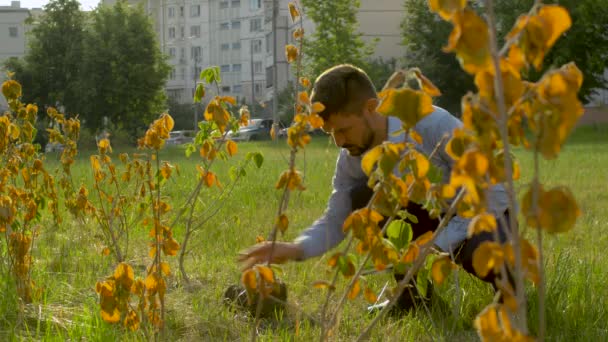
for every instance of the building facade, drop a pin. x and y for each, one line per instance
(13, 39)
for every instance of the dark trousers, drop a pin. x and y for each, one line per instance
(361, 195)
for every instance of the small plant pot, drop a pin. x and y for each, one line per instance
(237, 298)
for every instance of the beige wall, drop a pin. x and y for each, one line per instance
(381, 20)
(13, 41)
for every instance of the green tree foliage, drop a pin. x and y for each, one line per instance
(424, 35)
(124, 70)
(585, 43)
(335, 39)
(106, 64)
(54, 59)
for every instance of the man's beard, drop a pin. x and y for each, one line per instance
(368, 140)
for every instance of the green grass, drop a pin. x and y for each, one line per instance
(68, 261)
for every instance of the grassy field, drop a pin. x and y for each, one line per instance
(68, 261)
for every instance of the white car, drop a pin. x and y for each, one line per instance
(179, 137)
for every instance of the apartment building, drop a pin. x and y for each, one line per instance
(13, 41)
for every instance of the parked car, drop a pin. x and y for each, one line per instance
(53, 147)
(180, 137)
(257, 129)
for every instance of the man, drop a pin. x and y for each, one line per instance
(351, 118)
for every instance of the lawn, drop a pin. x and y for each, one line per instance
(68, 260)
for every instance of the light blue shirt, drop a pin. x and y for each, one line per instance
(326, 232)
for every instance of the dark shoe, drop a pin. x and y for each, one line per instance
(409, 299)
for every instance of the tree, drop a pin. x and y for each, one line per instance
(124, 70)
(55, 55)
(585, 42)
(335, 39)
(424, 35)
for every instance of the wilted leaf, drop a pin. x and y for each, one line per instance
(481, 223)
(370, 159)
(323, 284)
(470, 39)
(282, 223)
(249, 279)
(489, 256)
(410, 106)
(231, 147)
(441, 269)
(370, 296)
(447, 8)
(355, 290)
(291, 53)
(266, 273)
(293, 11)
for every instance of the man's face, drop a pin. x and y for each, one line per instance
(350, 131)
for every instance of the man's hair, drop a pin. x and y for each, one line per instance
(343, 88)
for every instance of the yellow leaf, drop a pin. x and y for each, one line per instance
(229, 99)
(105, 251)
(249, 279)
(317, 107)
(489, 256)
(95, 165)
(266, 273)
(447, 8)
(167, 121)
(315, 120)
(209, 178)
(558, 210)
(170, 246)
(424, 238)
(370, 296)
(411, 254)
(291, 53)
(231, 147)
(166, 170)
(305, 82)
(355, 290)
(165, 268)
(470, 39)
(297, 35)
(481, 223)
(293, 11)
(416, 137)
(282, 223)
(333, 260)
(426, 85)
(441, 268)
(458, 144)
(303, 98)
(259, 239)
(123, 274)
(323, 284)
(370, 159)
(421, 165)
(151, 282)
(112, 315)
(410, 106)
(14, 131)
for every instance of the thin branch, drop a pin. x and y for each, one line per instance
(504, 132)
(424, 251)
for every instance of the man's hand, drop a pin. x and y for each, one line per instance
(258, 254)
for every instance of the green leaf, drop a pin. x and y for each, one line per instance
(190, 148)
(422, 282)
(399, 233)
(258, 158)
(199, 93)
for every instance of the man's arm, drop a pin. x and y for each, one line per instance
(326, 232)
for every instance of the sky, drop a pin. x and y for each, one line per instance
(86, 5)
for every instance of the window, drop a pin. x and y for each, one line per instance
(255, 4)
(171, 13)
(225, 47)
(236, 24)
(235, 3)
(172, 75)
(224, 26)
(225, 89)
(171, 32)
(237, 88)
(182, 54)
(257, 67)
(197, 72)
(223, 4)
(256, 46)
(195, 53)
(172, 52)
(182, 73)
(236, 67)
(195, 31)
(225, 68)
(258, 88)
(182, 32)
(195, 10)
(236, 46)
(268, 42)
(181, 11)
(255, 25)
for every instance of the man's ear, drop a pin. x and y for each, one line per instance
(371, 104)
